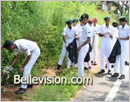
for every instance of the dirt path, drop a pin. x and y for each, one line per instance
(9, 95)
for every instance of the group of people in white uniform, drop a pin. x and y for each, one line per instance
(88, 32)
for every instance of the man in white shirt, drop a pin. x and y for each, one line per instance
(84, 46)
(124, 41)
(79, 29)
(88, 64)
(32, 52)
(106, 34)
(95, 34)
(69, 34)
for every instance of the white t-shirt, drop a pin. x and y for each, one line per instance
(86, 32)
(124, 32)
(69, 34)
(24, 46)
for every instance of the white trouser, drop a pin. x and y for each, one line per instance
(63, 52)
(105, 49)
(95, 49)
(27, 69)
(120, 59)
(82, 54)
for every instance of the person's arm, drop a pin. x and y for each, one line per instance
(127, 38)
(14, 61)
(26, 61)
(101, 35)
(64, 38)
(86, 42)
(28, 54)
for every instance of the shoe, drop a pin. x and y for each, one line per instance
(122, 77)
(58, 67)
(30, 85)
(115, 75)
(20, 91)
(95, 63)
(126, 63)
(101, 71)
(112, 66)
(85, 68)
(91, 61)
(109, 72)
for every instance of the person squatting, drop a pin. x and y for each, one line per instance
(83, 39)
(87, 35)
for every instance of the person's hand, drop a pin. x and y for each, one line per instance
(21, 69)
(66, 44)
(117, 37)
(108, 32)
(79, 48)
(97, 33)
(92, 46)
(9, 68)
(77, 37)
(111, 36)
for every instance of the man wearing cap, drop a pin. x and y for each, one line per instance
(88, 64)
(75, 21)
(79, 29)
(124, 41)
(106, 34)
(84, 46)
(69, 34)
(95, 34)
(32, 52)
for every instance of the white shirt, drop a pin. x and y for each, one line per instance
(124, 32)
(24, 46)
(69, 34)
(76, 27)
(86, 32)
(104, 29)
(96, 29)
(79, 28)
(115, 33)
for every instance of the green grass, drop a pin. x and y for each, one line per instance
(58, 92)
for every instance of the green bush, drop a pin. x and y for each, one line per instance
(42, 22)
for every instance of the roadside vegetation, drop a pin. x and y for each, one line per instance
(43, 22)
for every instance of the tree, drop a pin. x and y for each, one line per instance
(122, 7)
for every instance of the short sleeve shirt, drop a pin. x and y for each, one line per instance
(24, 46)
(124, 31)
(86, 32)
(69, 34)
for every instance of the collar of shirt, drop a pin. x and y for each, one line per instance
(17, 46)
(125, 27)
(69, 28)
